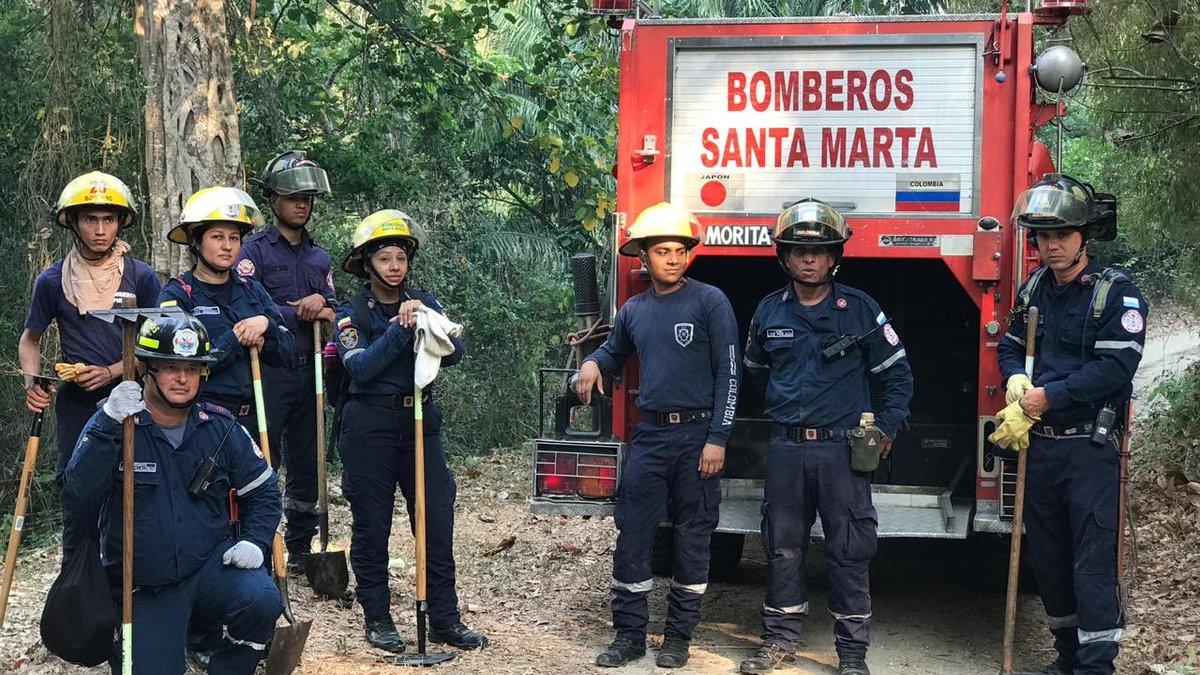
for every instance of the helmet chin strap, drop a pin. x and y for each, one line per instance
(200, 260)
(782, 253)
(378, 277)
(85, 252)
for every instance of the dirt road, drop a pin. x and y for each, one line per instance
(544, 599)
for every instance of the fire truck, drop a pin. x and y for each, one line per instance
(921, 130)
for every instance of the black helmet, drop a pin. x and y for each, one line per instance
(1060, 202)
(292, 173)
(179, 337)
(811, 222)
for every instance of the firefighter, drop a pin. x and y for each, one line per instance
(375, 342)
(190, 571)
(297, 274)
(1092, 328)
(95, 207)
(236, 311)
(815, 393)
(685, 335)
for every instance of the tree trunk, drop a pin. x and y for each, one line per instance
(192, 139)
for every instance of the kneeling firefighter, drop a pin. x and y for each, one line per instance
(685, 336)
(194, 467)
(1070, 415)
(375, 339)
(820, 344)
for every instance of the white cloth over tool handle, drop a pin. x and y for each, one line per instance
(431, 341)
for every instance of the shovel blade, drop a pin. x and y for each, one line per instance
(327, 574)
(287, 648)
(426, 660)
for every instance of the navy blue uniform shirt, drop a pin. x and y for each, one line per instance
(86, 339)
(686, 343)
(379, 357)
(219, 308)
(1081, 362)
(288, 273)
(805, 389)
(174, 533)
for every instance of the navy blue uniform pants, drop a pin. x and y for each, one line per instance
(804, 480)
(239, 606)
(662, 479)
(1071, 504)
(377, 448)
(292, 432)
(73, 407)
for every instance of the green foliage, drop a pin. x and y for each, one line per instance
(1170, 439)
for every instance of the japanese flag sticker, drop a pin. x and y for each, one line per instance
(1132, 322)
(890, 334)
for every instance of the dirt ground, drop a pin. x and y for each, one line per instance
(544, 599)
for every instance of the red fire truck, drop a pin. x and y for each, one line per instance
(921, 130)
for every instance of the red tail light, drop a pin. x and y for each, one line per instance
(585, 470)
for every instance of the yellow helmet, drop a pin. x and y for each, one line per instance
(388, 224)
(664, 219)
(95, 189)
(216, 204)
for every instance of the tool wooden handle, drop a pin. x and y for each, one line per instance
(1031, 326)
(419, 491)
(1018, 523)
(277, 563)
(322, 488)
(129, 373)
(18, 524)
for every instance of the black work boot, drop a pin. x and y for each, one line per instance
(622, 650)
(853, 665)
(382, 634)
(1056, 667)
(296, 565)
(458, 635)
(768, 658)
(673, 653)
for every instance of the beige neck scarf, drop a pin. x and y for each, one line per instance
(93, 285)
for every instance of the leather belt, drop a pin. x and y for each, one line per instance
(663, 419)
(1063, 431)
(395, 401)
(813, 434)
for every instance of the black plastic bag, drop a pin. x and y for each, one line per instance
(79, 620)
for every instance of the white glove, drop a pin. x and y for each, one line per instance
(125, 400)
(244, 556)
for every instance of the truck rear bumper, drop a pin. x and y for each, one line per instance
(904, 511)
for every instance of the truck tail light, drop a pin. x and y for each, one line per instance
(576, 469)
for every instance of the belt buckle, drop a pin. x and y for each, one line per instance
(673, 418)
(810, 434)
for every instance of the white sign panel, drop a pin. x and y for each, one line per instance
(880, 130)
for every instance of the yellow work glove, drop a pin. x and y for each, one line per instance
(1017, 386)
(68, 371)
(1013, 431)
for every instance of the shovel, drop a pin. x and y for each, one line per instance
(18, 523)
(1018, 522)
(421, 658)
(326, 570)
(287, 646)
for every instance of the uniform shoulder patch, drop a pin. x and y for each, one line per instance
(1132, 321)
(890, 334)
(245, 267)
(348, 337)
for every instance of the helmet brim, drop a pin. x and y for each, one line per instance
(633, 247)
(353, 264)
(145, 355)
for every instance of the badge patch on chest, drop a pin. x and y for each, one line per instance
(349, 338)
(780, 333)
(1132, 322)
(140, 467)
(890, 334)
(684, 332)
(201, 310)
(245, 268)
